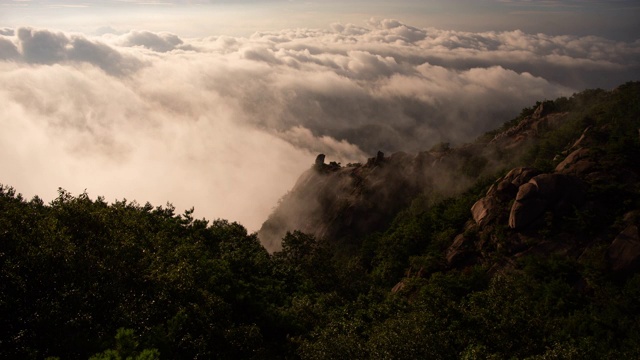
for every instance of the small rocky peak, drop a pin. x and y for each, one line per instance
(541, 111)
(379, 159)
(324, 168)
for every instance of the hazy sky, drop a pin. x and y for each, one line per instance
(616, 19)
(222, 104)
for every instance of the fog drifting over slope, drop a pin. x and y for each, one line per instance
(227, 124)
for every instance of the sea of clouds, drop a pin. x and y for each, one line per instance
(226, 124)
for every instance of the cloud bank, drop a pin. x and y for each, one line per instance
(226, 124)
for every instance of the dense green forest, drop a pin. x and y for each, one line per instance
(82, 278)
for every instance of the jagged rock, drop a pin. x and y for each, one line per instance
(580, 140)
(576, 163)
(547, 122)
(521, 175)
(526, 191)
(624, 252)
(330, 201)
(320, 160)
(534, 194)
(556, 192)
(525, 213)
(528, 128)
(459, 242)
(460, 253)
(484, 210)
(398, 287)
(540, 111)
(548, 185)
(379, 159)
(508, 185)
(505, 189)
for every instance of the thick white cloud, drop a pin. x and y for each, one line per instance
(8, 50)
(6, 32)
(161, 42)
(47, 47)
(227, 124)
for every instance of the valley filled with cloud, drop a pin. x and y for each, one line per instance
(226, 124)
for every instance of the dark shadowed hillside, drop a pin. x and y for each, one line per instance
(542, 215)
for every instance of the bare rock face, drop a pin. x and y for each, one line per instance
(461, 253)
(505, 190)
(577, 163)
(487, 209)
(526, 191)
(624, 252)
(525, 213)
(540, 111)
(581, 140)
(330, 201)
(378, 160)
(484, 210)
(534, 194)
(519, 176)
(545, 192)
(528, 128)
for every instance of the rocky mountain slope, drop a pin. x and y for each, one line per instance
(330, 201)
(567, 178)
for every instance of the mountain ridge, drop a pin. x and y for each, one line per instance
(356, 191)
(556, 159)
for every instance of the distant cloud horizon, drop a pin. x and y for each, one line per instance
(616, 20)
(227, 123)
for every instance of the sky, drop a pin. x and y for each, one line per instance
(221, 105)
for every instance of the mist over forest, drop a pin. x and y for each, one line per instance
(226, 124)
(522, 244)
(283, 179)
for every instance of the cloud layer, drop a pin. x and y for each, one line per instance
(226, 124)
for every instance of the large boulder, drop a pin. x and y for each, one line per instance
(576, 163)
(521, 175)
(525, 213)
(485, 210)
(624, 252)
(558, 193)
(526, 191)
